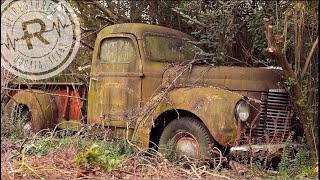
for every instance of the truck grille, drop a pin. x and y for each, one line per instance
(275, 118)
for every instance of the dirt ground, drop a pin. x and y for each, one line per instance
(60, 164)
(57, 161)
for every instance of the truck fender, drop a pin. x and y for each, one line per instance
(213, 106)
(42, 106)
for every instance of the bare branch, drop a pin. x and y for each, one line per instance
(276, 51)
(86, 45)
(105, 10)
(105, 18)
(268, 34)
(279, 41)
(309, 57)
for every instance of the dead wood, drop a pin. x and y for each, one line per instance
(275, 50)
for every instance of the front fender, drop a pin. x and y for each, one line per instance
(215, 107)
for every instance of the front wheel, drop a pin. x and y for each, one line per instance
(187, 136)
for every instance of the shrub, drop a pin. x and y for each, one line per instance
(106, 159)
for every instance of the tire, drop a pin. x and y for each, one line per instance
(189, 137)
(38, 109)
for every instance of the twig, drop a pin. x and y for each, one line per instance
(216, 175)
(21, 147)
(53, 94)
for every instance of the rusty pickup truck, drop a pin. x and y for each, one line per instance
(148, 84)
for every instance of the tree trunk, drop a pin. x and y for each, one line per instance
(275, 50)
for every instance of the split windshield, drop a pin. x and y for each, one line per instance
(169, 49)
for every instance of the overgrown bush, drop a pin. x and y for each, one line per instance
(298, 166)
(12, 125)
(106, 159)
(170, 153)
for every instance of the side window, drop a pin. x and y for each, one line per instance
(117, 50)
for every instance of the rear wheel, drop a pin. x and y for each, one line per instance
(22, 116)
(187, 136)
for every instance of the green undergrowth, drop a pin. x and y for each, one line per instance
(12, 127)
(92, 152)
(296, 166)
(98, 156)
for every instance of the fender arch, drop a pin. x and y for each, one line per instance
(42, 106)
(213, 106)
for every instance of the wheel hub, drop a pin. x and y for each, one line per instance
(27, 127)
(25, 116)
(187, 146)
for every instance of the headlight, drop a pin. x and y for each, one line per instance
(242, 111)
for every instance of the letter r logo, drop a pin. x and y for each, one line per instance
(27, 36)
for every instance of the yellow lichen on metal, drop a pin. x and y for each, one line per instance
(214, 107)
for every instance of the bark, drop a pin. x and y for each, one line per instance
(315, 44)
(275, 50)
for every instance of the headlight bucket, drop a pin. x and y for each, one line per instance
(242, 111)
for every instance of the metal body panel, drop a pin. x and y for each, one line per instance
(214, 107)
(115, 88)
(231, 78)
(138, 30)
(68, 100)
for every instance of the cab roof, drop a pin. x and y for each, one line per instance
(138, 30)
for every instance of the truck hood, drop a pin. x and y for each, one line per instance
(231, 78)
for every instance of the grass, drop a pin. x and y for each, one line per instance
(68, 155)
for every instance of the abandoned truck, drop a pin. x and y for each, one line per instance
(146, 84)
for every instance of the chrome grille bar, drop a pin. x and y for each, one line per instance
(275, 120)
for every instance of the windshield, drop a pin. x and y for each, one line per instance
(117, 50)
(169, 49)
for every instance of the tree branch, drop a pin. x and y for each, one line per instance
(105, 10)
(87, 45)
(105, 18)
(309, 57)
(268, 34)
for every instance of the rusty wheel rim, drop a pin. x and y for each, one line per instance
(27, 127)
(187, 145)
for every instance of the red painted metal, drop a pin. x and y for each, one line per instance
(75, 106)
(69, 108)
(62, 102)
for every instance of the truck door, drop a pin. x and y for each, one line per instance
(115, 83)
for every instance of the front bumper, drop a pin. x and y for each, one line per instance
(260, 150)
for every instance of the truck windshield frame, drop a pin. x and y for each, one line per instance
(164, 48)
